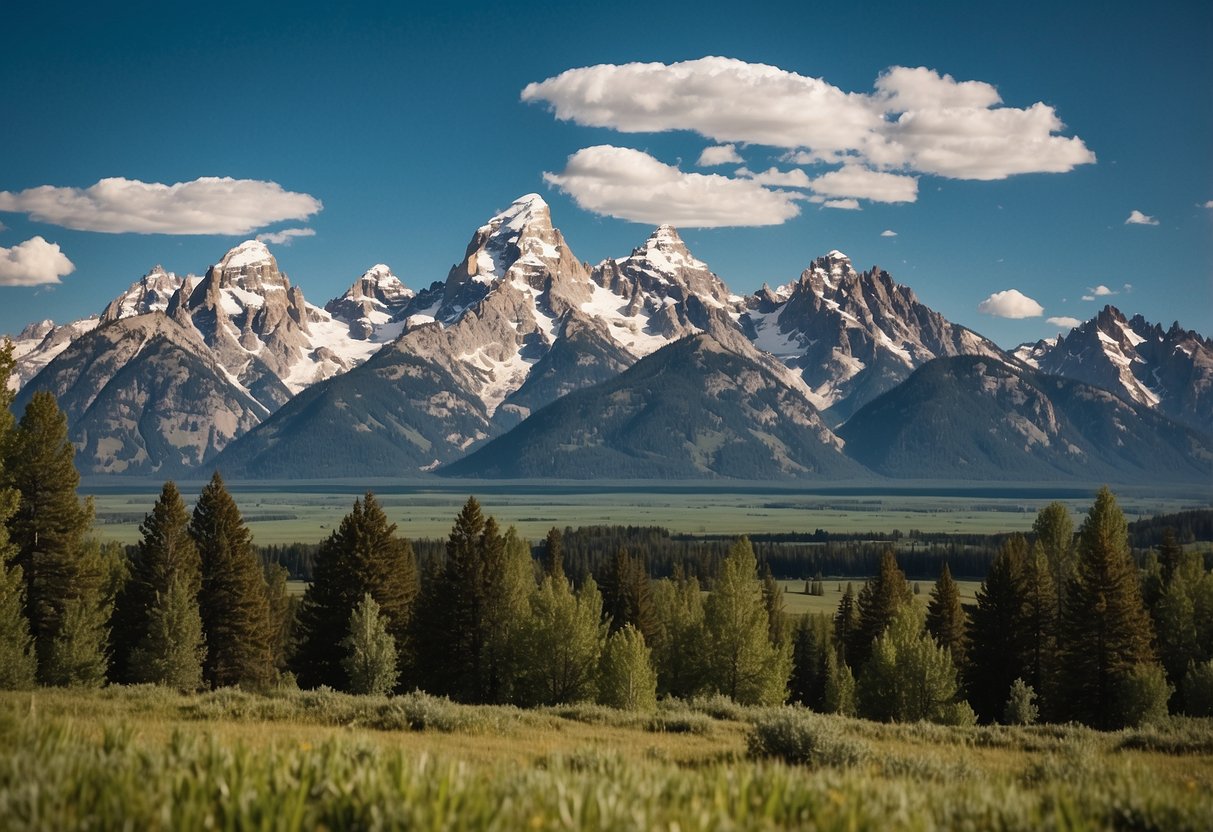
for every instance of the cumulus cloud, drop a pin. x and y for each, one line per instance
(844, 204)
(286, 236)
(915, 120)
(1011, 303)
(632, 185)
(721, 154)
(1064, 322)
(862, 183)
(208, 205)
(888, 232)
(1101, 291)
(33, 263)
(1209, 204)
(1138, 218)
(795, 178)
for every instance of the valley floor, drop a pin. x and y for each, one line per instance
(148, 758)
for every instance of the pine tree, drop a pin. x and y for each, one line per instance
(232, 599)
(1175, 616)
(908, 677)
(173, 647)
(77, 656)
(510, 580)
(165, 553)
(627, 596)
(1170, 553)
(1107, 631)
(1038, 625)
(839, 694)
(877, 605)
(846, 623)
(17, 665)
(946, 617)
(49, 527)
(772, 599)
(996, 642)
(564, 638)
(676, 655)
(627, 680)
(810, 650)
(1021, 705)
(553, 554)
(363, 554)
(1054, 531)
(283, 610)
(370, 661)
(742, 662)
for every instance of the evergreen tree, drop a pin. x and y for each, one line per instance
(878, 603)
(846, 623)
(839, 694)
(908, 677)
(283, 610)
(946, 617)
(173, 647)
(742, 662)
(17, 665)
(1038, 625)
(627, 596)
(679, 664)
(553, 554)
(1054, 531)
(1021, 705)
(49, 528)
(370, 660)
(996, 641)
(1175, 616)
(1198, 689)
(627, 680)
(811, 648)
(772, 599)
(77, 656)
(165, 553)
(1170, 553)
(510, 580)
(362, 555)
(564, 637)
(232, 600)
(1107, 631)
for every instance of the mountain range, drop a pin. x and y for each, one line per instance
(527, 362)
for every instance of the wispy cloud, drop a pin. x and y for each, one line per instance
(844, 204)
(1138, 218)
(794, 178)
(1064, 321)
(888, 232)
(721, 154)
(1010, 303)
(286, 236)
(632, 185)
(33, 263)
(208, 205)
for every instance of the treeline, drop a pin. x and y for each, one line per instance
(1185, 526)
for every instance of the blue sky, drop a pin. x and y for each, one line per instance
(411, 130)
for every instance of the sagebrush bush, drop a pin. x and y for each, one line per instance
(798, 736)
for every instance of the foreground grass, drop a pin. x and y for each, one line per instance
(148, 759)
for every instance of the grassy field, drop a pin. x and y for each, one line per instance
(796, 602)
(307, 512)
(146, 758)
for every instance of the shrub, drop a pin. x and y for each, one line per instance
(1143, 694)
(1021, 705)
(806, 738)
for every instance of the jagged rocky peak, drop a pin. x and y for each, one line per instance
(379, 283)
(150, 293)
(248, 266)
(374, 299)
(663, 266)
(36, 331)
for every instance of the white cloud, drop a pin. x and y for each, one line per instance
(1209, 204)
(721, 154)
(915, 120)
(208, 205)
(1101, 291)
(1138, 218)
(1064, 322)
(888, 232)
(1011, 303)
(286, 236)
(795, 178)
(1088, 297)
(632, 185)
(856, 181)
(33, 263)
(845, 204)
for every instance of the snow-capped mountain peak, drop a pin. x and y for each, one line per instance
(246, 255)
(375, 300)
(151, 293)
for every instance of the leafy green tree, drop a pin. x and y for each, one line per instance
(946, 619)
(17, 665)
(742, 662)
(846, 624)
(909, 677)
(679, 604)
(1053, 529)
(879, 601)
(553, 554)
(564, 638)
(173, 647)
(1021, 705)
(232, 599)
(1142, 695)
(1107, 630)
(996, 641)
(363, 554)
(370, 661)
(839, 694)
(1175, 615)
(165, 553)
(627, 680)
(49, 528)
